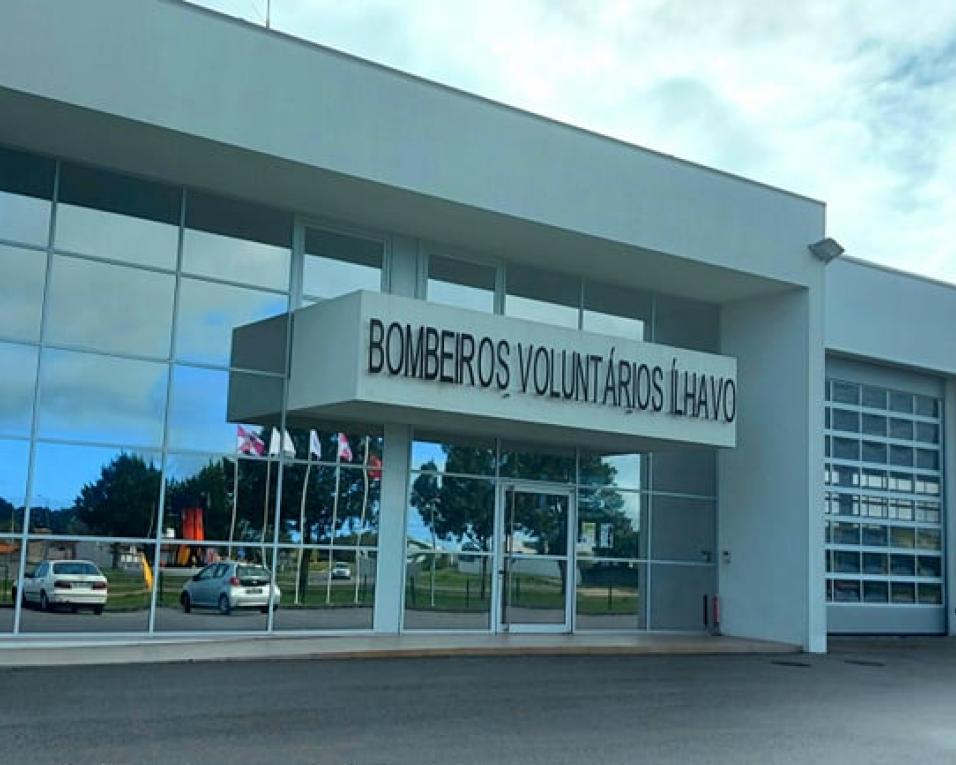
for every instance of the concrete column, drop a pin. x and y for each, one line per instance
(403, 268)
(949, 500)
(770, 487)
(390, 575)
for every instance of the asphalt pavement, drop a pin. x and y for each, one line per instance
(867, 702)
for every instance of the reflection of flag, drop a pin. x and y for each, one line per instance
(315, 445)
(288, 448)
(248, 442)
(344, 451)
(374, 467)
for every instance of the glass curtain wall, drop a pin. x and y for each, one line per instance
(643, 557)
(884, 534)
(123, 439)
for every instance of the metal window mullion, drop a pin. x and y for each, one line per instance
(34, 421)
(174, 331)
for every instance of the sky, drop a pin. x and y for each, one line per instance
(849, 102)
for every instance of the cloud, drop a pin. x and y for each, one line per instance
(852, 103)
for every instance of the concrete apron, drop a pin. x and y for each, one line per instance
(61, 652)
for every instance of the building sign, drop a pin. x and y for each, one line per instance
(369, 357)
(432, 353)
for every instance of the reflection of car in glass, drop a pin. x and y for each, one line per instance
(227, 585)
(71, 583)
(341, 571)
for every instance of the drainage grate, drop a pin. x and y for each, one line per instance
(864, 662)
(781, 663)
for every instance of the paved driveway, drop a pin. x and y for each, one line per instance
(871, 702)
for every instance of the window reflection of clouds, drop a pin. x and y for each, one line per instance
(110, 308)
(238, 260)
(24, 219)
(209, 312)
(21, 292)
(62, 470)
(119, 237)
(87, 397)
(540, 311)
(327, 278)
(197, 418)
(19, 365)
(13, 472)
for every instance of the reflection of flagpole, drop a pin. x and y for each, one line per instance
(305, 486)
(265, 509)
(235, 502)
(335, 512)
(358, 539)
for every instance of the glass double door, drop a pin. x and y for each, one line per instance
(534, 586)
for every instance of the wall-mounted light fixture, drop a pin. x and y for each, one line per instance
(826, 249)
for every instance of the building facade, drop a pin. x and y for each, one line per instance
(431, 363)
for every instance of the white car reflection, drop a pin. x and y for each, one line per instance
(72, 583)
(227, 585)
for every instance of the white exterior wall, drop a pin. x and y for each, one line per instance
(770, 487)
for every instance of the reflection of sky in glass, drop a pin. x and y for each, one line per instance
(461, 296)
(19, 365)
(62, 470)
(624, 469)
(539, 310)
(24, 219)
(119, 237)
(21, 292)
(427, 451)
(618, 326)
(13, 471)
(208, 313)
(88, 397)
(197, 417)
(110, 308)
(325, 277)
(238, 260)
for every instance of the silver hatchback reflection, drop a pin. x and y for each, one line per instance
(230, 584)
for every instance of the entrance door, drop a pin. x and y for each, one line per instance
(533, 591)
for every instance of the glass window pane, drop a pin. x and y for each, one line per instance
(537, 462)
(875, 592)
(689, 470)
(930, 594)
(612, 524)
(847, 504)
(237, 241)
(114, 216)
(17, 385)
(846, 393)
(200, 418)
(110, 308)
(95, 491)
(677, 596)
(927, 433)
(450, 513)
(623, 470)
(543, 296)
(846, 591)
(193, 578)
(220, 499)
(901, 482)
(902, 565)
(471, 456)
(927, 512)
(902, 429)
(460, 283)
(208, 313)
(846, 562)
(26, 186)
(336, 264)
(874, 425)
(610, 595)
(875, 563)
(928, 539)
(929, 565)
(238, 260)
(874, 451)
(902, 592)
(901, 402)
(326, 589)
(846, 449)
(874, 535)
(87, 586)
(846, 420)
(684, 529)
(447, 591)
(309, 514)
(103, 399)
(613, 310)
(900, 509)
(873, 479)
(14, 456)
(686, 323)
(927, 459)
(902, 536)
(901, 455)
(21, 292)
(843, 475)
(874, 398)
(927, 407)
(846, 533)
